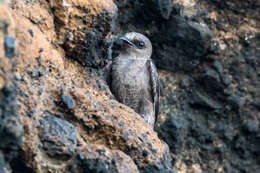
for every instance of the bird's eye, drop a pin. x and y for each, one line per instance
(141, 44)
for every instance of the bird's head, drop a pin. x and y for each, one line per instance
(136, 45)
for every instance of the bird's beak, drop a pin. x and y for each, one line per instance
(126, 40)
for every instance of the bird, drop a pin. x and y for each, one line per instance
(133, 77)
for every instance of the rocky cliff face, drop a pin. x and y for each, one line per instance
(58, 115)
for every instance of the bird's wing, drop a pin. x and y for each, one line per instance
(107, 73)
(154, 78)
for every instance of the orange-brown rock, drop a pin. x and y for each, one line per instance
(75, 25)
(11, 128)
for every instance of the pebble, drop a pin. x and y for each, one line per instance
(31, 113)
(31, 32)
(9, 43)
(68, 101)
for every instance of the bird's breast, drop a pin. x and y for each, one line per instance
(130, 72)
(130, 82)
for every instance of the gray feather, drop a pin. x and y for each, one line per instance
(155, 87)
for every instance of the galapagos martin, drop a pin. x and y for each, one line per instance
(133, 77)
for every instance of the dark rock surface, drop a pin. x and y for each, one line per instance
(98, 159)
(209, 105)
(11, 130)
(58, 137)
(178, 43)
(210, 99)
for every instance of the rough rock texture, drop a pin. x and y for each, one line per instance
(58, 137)
(77, 26)
(11, 130)
(96, 158)
(58, 115)
(209, 105)
(66, 109)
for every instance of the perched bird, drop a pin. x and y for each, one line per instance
(133, 77)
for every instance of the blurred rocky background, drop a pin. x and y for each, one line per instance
(58, 115)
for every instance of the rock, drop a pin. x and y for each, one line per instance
(9, 46)
(40, 91)
(39, 60)
(200, 99)
(11, 128)
(68, 101)
(58, 137)
(115, 45)
(203, 134)
(187, 9)
(4, 167)
(251, 126)
(18, 76)
(226, 80)
(31, 113)
(165, 8)
(178, 42)
(236, 101)
(94, 158)
(41, 50)
(36, 73)
(82, 26)
(2, 82)
(31, 32)
(211, 80)
(173, 131)
(17, 165)
(218, 66)
(97, 119)
(198, 46)
(185, 83)
(214, 47)
(41, 73)
(161, 8)
(157, 169)
(227, 131)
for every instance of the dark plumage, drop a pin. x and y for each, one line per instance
(133, 77)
